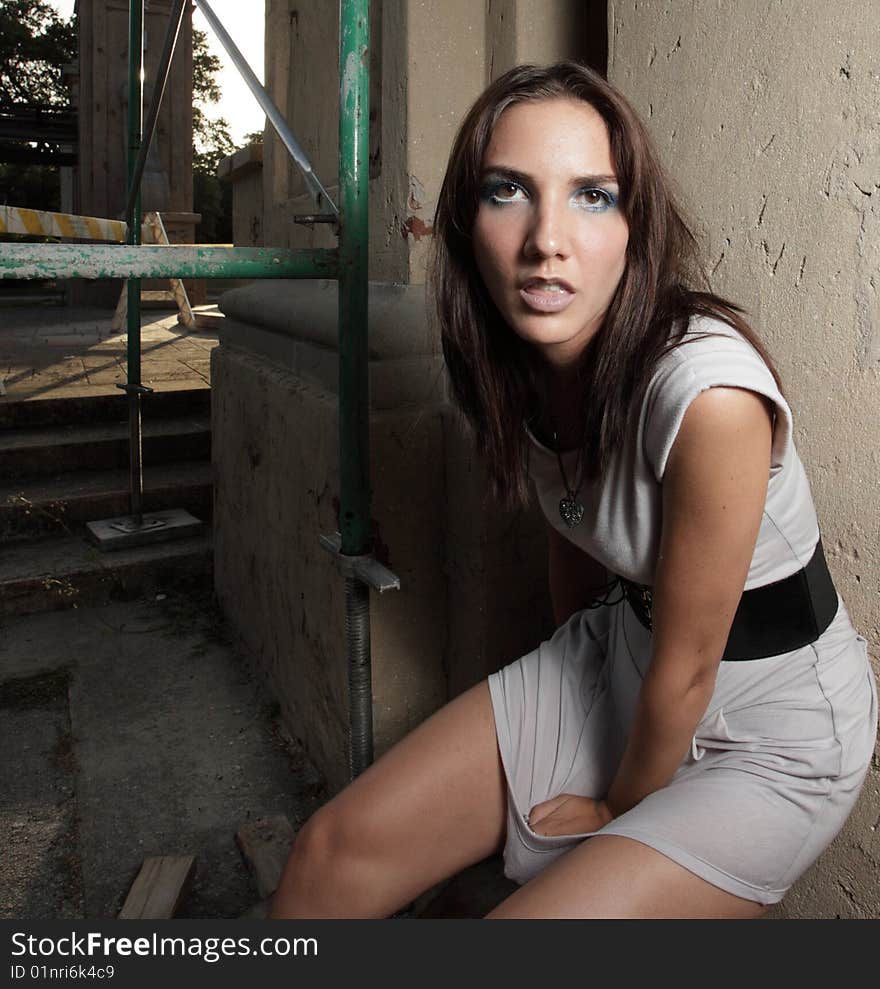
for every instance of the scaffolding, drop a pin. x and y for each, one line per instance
(347, 263)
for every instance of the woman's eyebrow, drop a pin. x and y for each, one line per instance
(518, 176)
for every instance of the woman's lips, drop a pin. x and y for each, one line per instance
(546, 295)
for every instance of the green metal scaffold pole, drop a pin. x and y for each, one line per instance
(134, 388)
(354, 453)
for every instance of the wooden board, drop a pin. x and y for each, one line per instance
(211, 321)
(264, 845)
(159, 888)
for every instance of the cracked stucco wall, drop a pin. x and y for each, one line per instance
(765, 113)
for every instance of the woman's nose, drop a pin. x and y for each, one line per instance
(547, 235)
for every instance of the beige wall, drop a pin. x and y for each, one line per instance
(277, 487)
(766, 115)
(414, 43)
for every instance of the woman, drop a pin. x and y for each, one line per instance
(699, 726)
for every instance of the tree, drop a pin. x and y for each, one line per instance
(211, 142)
(211, 138)
(35, 45)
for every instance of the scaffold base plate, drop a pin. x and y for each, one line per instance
(156, 527)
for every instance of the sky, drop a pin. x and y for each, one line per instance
(244, 21)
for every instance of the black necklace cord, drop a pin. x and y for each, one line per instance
(603, 597)
(578, 473)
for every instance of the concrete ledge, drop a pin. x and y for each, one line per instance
(243, 162)
(306, 309)
(394, 383)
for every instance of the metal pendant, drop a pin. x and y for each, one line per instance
(571, 511)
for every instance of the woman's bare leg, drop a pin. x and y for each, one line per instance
(614, 877)
(430, 806)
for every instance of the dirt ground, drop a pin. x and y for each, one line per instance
(128, 731)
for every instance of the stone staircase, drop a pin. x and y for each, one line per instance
(64, 462)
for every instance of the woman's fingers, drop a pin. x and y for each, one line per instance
(542, 810)
(568, 814)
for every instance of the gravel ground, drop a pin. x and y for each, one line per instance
(129, 731)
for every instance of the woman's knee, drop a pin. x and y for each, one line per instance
(333, 839)
(329, 873)
(322, 840)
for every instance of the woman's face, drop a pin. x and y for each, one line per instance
(549, 237)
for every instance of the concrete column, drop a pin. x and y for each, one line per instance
(103, 129)
(473, 578)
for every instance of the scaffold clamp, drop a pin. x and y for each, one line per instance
(135, 389)
(365, 568)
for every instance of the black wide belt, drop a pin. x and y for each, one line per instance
(773, 619)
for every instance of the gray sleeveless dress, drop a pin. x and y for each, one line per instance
(778, 760)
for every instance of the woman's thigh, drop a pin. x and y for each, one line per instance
(430, 806)
(610, 876)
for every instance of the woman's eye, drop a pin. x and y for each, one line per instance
(504, 192)
(595, 199)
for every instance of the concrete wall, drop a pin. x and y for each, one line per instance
(413, 44)
(244, 169)
(473, 579)
(766, 115)
(278, 461)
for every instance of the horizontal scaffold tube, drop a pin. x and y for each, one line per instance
(35, 261)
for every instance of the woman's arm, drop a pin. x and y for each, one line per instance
(714, 491)
(575, 578)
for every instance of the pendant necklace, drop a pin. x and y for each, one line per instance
(571, 509)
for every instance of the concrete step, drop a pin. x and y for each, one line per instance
(35, 507)
(42, 451)
(168, 403)
(67, 572)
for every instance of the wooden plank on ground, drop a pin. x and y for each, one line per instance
(159, 888)
(264, 845)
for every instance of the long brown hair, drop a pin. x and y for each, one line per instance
(491, 369)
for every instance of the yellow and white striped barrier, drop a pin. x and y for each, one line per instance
(18, 220)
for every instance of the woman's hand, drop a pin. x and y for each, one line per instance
(569, 814)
